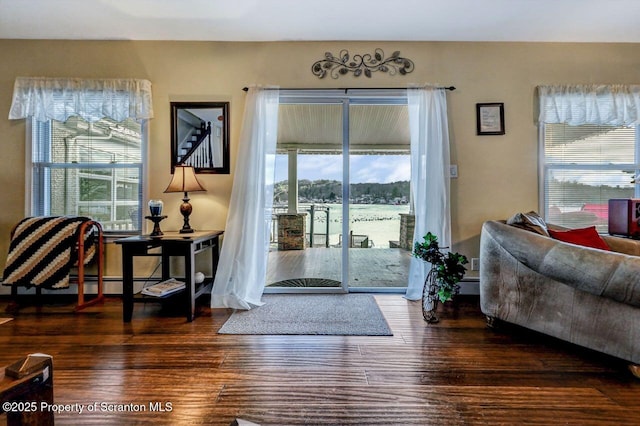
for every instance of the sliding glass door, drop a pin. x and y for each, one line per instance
(342, 194)
(379, 174)
(305, 253)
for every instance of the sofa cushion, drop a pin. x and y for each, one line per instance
(587, 237)
(530, 221)
(622, 244)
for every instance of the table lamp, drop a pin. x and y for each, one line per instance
(184, 180)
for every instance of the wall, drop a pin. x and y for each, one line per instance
(497, 174)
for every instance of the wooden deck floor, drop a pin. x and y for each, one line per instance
(457, 372)
(369, 267)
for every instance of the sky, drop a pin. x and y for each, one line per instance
(363, 168)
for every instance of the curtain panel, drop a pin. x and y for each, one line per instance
(429, 130)
(242, 269)
(617, 105)
(92, 99)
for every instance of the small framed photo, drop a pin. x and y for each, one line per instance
(490, 119)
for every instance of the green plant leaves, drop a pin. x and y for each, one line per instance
(449, 267)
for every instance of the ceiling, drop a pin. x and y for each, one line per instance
(317, 128)
(344, 20)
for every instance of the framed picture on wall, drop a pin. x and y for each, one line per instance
(200, 136)
(490, 119)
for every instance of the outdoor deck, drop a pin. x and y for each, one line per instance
(383, 267)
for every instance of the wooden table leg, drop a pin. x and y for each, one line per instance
(190, 284)
(127, 284)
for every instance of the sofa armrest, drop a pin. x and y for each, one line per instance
(602, 273)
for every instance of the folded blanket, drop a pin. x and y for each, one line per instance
(43, 250)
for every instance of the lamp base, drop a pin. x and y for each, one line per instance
(185, 210)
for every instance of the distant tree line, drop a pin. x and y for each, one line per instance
(331, 190)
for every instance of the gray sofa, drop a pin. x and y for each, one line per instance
(582, 295)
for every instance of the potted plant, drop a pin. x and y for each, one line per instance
(441, 283)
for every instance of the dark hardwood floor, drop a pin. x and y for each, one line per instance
(456, 372)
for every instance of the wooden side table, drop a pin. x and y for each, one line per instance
(27, 390)
(171, 244)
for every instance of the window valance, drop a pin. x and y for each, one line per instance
(617, 105)
(91, 99)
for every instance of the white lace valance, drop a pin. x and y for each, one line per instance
(617, 105)
(91, 99)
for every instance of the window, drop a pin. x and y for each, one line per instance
(89, 169)
(583, 166)
(86, 144)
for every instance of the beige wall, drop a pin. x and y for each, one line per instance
(497, 174)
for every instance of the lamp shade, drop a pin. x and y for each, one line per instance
(184, 180)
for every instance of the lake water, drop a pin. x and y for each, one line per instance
(381, 222)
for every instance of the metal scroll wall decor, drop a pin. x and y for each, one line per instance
(366, 64)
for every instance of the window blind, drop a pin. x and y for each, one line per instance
(583, 167)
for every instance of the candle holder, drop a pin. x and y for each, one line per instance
(155, 208)
(157, 232)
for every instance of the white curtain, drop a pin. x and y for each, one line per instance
(429, 175)
(242, 269)
(590, 104)
(92, 99)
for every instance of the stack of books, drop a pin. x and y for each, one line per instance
(164, 288)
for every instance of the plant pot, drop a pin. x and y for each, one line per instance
(430, 298)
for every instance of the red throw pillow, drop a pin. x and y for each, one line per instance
(587, 237)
